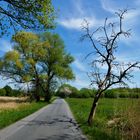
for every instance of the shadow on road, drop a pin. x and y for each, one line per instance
(54, 121)
(62, 137)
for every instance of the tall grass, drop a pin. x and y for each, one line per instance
(10, 115)
(113, 120)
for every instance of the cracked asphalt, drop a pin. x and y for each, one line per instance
(52, 122)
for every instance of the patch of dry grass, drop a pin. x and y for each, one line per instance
(129, 122)
(12, 99)
(7, 103)
(11, 105)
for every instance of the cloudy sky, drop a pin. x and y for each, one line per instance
(71, 14)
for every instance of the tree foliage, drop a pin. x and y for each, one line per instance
(38, 60)
(28, 14)
(56, 62)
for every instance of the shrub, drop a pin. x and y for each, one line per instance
(93, 92)
(2, 92)
(61, 94)
(111, 94)
(74, 92)
(16, 93)
(85, 93)
(134, 95)
(8, 90)
(124, 95)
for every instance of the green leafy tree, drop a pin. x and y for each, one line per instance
(38, 60)
(20, 64)
(56, 62)
(28, 14)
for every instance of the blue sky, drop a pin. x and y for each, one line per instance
(71, 14)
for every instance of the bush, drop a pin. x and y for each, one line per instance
(61, 94)
(111, 94)
(134, 95)
(2, 92)
(72, 92)
(93, 93)
(85, 93)
(8, 90)
(16, 93)
(124, 95)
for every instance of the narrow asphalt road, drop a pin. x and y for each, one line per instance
(53, 122)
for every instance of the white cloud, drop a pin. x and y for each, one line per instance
(71, 23)
(77, 23)
(112, 7)
(5, 45)
(79, 14)
(80, 69)
(108, 6)
(79, 65)
(131, 19)
(4, 82)
(81, 81)
(134, 13)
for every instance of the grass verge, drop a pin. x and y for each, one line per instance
(13, 112)
(115, 119)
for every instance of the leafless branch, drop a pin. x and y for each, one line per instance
(105, 46)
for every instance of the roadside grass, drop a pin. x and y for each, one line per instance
(53, 98)
(115, 119)
(11, 112)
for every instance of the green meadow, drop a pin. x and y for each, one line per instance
(115, 119)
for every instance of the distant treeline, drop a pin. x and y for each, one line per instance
(72, 92)
(8, 91)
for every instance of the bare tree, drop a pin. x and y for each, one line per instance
(104, 48)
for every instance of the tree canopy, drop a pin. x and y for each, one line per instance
(40, 60)
(56, 62)
(28, 14)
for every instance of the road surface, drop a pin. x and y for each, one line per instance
(53, 122)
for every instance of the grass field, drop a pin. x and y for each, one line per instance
(12, 111)
(115, 118)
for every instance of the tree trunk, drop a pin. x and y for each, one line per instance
(47, 96)
(37, 97)
(48, 91)
(36, 94)
(93, 109)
